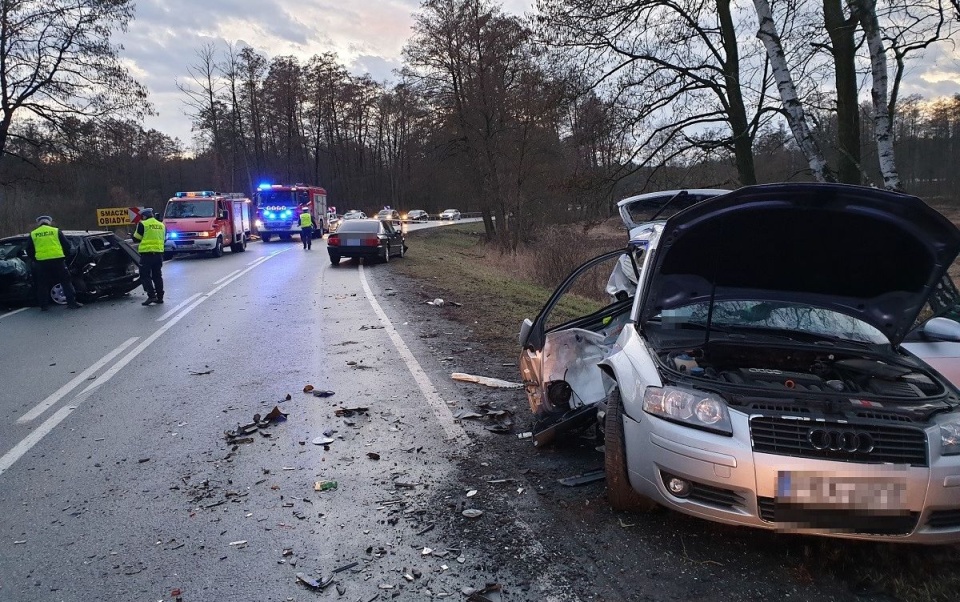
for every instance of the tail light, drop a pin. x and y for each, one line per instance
(371, 242)
(333, 240)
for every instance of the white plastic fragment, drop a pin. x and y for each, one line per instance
(485, 380)
(472, 493)
(472, 513)
(241, 542)
(427, 551)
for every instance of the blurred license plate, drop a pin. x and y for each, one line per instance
(855, 493)
(353, 242)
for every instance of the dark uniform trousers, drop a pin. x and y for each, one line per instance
(151, 273)
(49, 272)
(306, 235)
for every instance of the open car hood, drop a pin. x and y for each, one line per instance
(868, 253)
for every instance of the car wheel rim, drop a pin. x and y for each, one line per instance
(58, 296)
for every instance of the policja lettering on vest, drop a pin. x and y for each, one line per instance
(48, 246)
(151, 233)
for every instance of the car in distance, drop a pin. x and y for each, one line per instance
(101, 264)
(367, 238)
(417, 215)
(450, 214)
(757, 377)
(389, 214)
(354, 214)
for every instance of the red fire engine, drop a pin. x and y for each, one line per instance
(279, 207)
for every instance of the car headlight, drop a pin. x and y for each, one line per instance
(259, 224)
(950, 437)
(692, 408)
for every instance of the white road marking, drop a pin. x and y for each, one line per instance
(178, 307)
(54, 397)
(440, 408)
(10, 313)
(7, 459)
(227, 276)
(21, 448)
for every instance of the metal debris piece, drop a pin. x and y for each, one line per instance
(373, 455)
(467, 414)
(287, 552)
(200, 373)
(472, 513)
(485, 380)
(525, 435)
(323, 393)
(371, 327)
(583, 479)
(345, 567)
(408, 577)
(241, 542)
(307, 388)
(308, 581)
(276, 414)
(426, 529)
(323, 440)
(500, 427)
(426, 552)
(350, 411)
(472, 493)
(287, 398)
(405, 484)
(385, 586)
(341, 590)
(491, 593)
(324, 485)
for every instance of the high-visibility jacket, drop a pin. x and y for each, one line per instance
(46, 243)
(154, 233)
(305, 220)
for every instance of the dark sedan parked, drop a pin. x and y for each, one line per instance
(370, 238)
(100, 263)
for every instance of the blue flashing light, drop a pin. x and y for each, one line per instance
(174, 235)
(263, 186)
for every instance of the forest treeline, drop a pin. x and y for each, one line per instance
(527, 118)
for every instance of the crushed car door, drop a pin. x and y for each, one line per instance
(563, 345)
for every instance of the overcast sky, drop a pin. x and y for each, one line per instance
(368, 35)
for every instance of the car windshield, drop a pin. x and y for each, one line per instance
(385, 213)
(369, 227)
(177, 209)
(766, 315)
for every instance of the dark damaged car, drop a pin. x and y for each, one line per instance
(101, 264)
(758, 375)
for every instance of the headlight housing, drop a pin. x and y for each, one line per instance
(950, 437)
(690, 407)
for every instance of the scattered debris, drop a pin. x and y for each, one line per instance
(241, 542)
(323, 440)
(350, 411)
(438, 302)
(426, 529)
(275, 415)
(345, 567)
(307, 388)
(324, 485)
(19, 542)
(466, 415)
(491, 593)
(472, 493)
(201, 373)
(143, 460)
(308, 581)
(323, 393)
(524, 435)
(426, 552)
(485, 380)
(472, 513)
(370, 327)
(583, 479)
(373, 455)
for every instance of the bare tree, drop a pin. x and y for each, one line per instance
(56, 61)
(202, 95)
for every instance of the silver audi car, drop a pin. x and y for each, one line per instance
(757, 375)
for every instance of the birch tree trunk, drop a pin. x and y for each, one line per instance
(796, 116)
(866, 10)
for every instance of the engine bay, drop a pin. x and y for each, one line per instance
(802, 371)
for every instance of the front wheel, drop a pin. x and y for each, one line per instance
(57, 295)
(335, 259)
(167, 255)
(265, 237)
(218, 249)
(621, 495)
(403, 250)
(386, 253)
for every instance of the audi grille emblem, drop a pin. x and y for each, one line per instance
(836, 440)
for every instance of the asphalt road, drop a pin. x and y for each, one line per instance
(117, 481)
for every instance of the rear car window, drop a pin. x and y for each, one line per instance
(360, 226)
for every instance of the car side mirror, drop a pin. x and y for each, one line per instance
(525, 331)
(942, 329)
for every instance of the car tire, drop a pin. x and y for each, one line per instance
(620, 494)
(386, 253)
(286, 237)
(57, 295)
(403, 250)
(265, 237)
(167, 255)
(335, 259)
(243, 243)
(217, 250)
(235, 247)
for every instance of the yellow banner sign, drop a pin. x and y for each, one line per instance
(118, 216)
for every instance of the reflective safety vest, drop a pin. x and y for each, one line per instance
(46, 243)
(305, 220)
(154, 233)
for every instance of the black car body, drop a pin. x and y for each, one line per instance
(371, 238)
(101, 264)
(417, 215)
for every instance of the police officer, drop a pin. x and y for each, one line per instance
(306, 228)
(49, 247)
(151, 233)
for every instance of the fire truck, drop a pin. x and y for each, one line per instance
(205, 221)
(279, 207)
